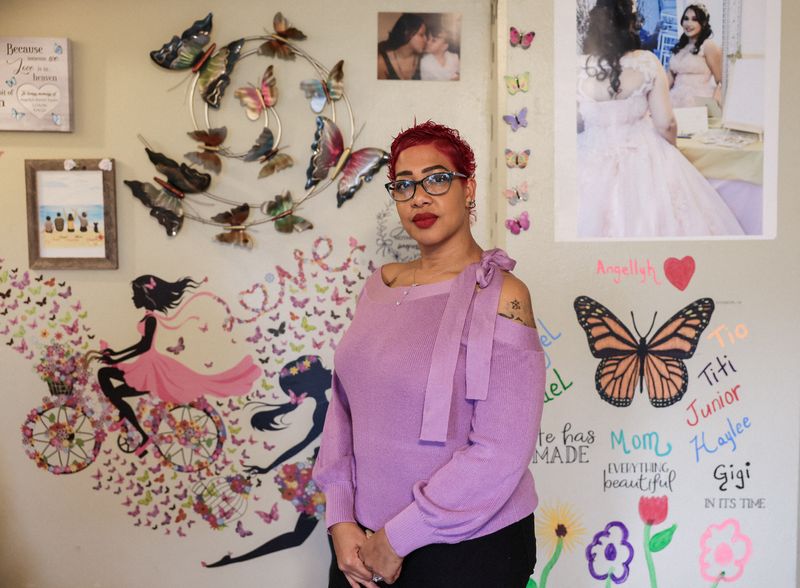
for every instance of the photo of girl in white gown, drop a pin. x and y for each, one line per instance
(632, 180)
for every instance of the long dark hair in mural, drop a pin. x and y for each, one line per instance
(303, 378)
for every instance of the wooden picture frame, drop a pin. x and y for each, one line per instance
(72, 214)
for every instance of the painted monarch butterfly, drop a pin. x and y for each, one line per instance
(626, 362)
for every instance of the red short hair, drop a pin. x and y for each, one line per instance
(447, 140)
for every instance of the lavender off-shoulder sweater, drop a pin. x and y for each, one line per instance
(435, 412)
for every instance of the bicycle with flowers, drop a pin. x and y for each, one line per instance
(64, 434)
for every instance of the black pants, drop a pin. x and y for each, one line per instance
(503, 559)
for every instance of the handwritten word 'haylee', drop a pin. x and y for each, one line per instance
(574, 447)
(740, 332)
(722, 400)
(640, 476)
(633, 269)
(646, 442)
(727, 439)
(729, 473)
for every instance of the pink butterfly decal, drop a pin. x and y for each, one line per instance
(333, 328)
(240, 527)
(517, 193)
(297, 303)
(297, 399)
(255, 100)
(71, 329)
(337, 298)
(521, 223)
(178, 347)
(517, 120)
(271, 516)
(317, 345)
(519, 39)
(256, 337)
(328, 152)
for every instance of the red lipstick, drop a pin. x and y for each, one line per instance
(424, 220)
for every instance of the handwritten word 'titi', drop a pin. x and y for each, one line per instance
(739, 332)
(729, 473)
(633, 269)
(728, 439)
(712, 372)
(722, 400)
(646, 442)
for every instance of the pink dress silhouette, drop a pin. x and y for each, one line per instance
(693, 78)
(171, 381)
(632, 182)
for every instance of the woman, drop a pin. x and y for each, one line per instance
(152, 372)
(695, 69)
(633, 181)
(300, 378)
(436, 401)
(439, 63)
(399, 55)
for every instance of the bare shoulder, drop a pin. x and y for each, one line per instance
(391, 271)
(515, 301)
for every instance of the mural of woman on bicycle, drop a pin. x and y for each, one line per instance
(142, 369)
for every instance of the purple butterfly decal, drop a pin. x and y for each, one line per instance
(521, 223)
(328, 152)
(517, 120)
(178, 347)
(242, 531)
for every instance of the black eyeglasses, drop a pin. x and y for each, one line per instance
(435, 184)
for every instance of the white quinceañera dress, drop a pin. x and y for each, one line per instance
(632, 183)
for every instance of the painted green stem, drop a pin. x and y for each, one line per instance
(651, 568)
(718, 580)
(552, 562)
(608, 578)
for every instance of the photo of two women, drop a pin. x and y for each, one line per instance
(414, 46)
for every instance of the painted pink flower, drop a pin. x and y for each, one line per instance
(724, 552)
(653, 509)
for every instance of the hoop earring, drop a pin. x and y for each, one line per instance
(471, 205)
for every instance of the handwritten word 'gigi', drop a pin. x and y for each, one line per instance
(633, 269)
(726, 440)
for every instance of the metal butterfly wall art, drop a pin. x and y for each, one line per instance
(256, 100)
(166, 203)
(329, 153)
(276, 45)
(209, 143)
(188, 52)
(282, 211)
(320, 92)
(236, 233)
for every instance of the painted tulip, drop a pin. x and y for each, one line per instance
(653, 509)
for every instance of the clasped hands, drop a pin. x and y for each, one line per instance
(360, 556)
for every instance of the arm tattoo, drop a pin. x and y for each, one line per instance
(519, 312)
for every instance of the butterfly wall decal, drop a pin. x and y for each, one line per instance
(165, 204)
(271, 516)
(329, 153)
(518, 83)
(209, 147)
(517, 120)
(517, 193)
(256, 100)
(276, 45)
(236, 233)
(517, 158)
(188, 52)
(320, 92)
(178, 347)
(517, 38)
(518, 224)
(628, 362)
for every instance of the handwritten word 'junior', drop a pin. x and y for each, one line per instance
(729, 473)
(633, 269)
(712, 372)
(722, 332)
(646, 442)
(728, 439)
(722, 400)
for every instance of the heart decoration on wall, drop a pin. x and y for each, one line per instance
(679, 272)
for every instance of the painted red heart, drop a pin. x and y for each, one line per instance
(679, 272)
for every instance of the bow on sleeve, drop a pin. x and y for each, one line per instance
(439, 387)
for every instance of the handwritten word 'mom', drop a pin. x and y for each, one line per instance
(646, 442)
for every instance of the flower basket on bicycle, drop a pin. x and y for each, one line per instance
(59, 388)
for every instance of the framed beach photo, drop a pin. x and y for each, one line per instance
(72, 218)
